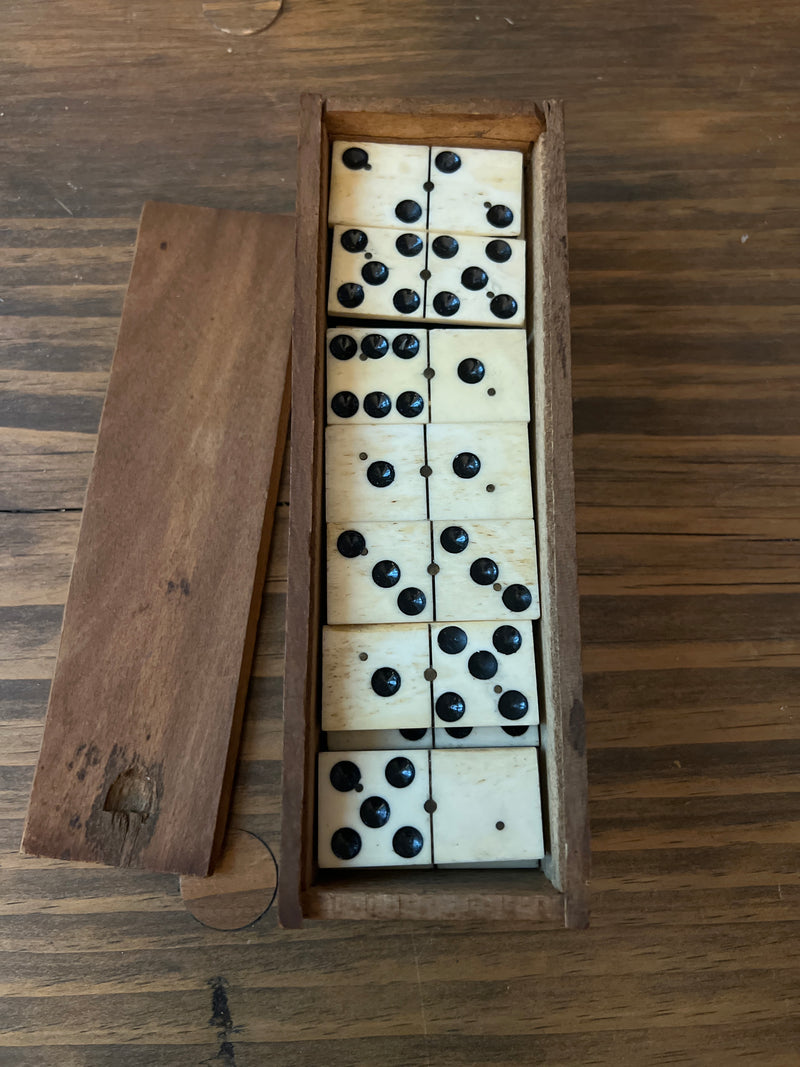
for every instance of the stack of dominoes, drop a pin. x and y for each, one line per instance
(429, 695)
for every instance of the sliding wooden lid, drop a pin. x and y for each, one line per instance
(147, 697)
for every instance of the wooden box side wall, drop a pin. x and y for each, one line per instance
(304, 890)
(306, 521)
(466, 124)
(563, 731)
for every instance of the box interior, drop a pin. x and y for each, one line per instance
(531, 893)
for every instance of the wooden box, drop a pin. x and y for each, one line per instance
(557, 893)
(148, 694)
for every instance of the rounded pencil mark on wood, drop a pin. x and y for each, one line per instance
(241, 889)
(242, 18)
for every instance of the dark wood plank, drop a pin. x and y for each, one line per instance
(158, 631)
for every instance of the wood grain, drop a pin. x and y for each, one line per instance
(563, 727)
(682, 138)
(159, 626)
(241, 888)
(301, 681)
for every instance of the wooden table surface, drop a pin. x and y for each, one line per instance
(683, 160)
